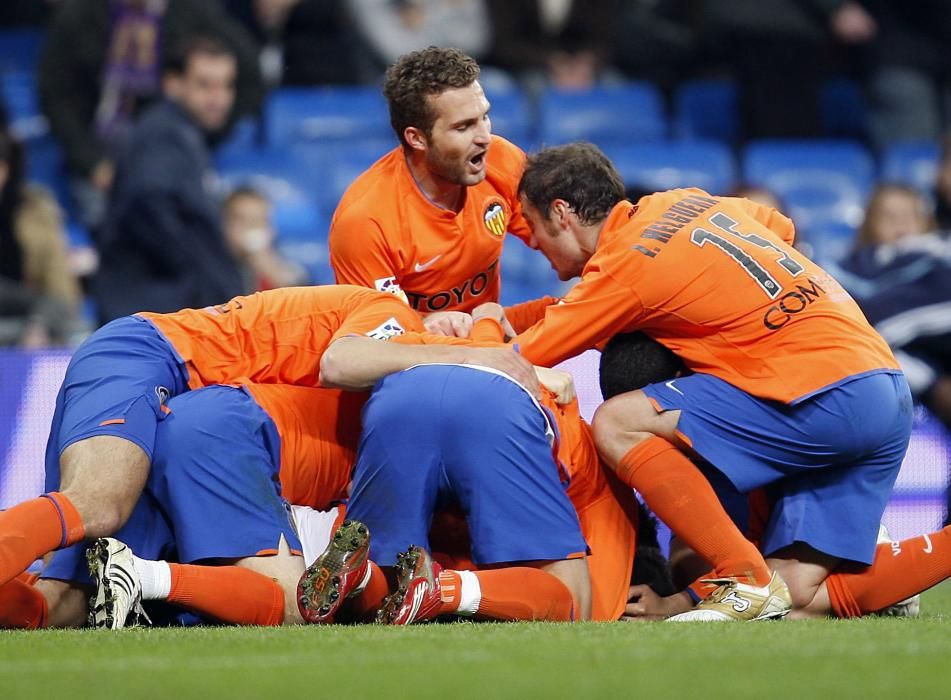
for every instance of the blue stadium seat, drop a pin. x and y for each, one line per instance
(20, 49)
(244, 136)
(913, 163)
(295, 115)
(78, 236)
(619, 113)
(818, 181)
(830, 241)
(511, 117)
(18, 88)
(44, 166)
(706, 109)
(286, 180)
(333, 166)
(844, 114)
(663, 166)
(523, 266)
(309, 251)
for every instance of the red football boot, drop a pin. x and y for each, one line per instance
(340, 572)
(417, 597)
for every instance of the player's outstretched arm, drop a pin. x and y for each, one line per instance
(357, 363)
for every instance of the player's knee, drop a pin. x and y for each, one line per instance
(102, 514)
(617, 423)
(106, 518)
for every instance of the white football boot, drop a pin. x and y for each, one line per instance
(117, 600)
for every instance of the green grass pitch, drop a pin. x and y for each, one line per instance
(899, 659)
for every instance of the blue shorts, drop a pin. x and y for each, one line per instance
(831, 460)
(214, 489)
(117, 383)
(440, 434)
(216, 472)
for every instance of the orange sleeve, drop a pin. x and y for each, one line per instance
(526, 314)
(775, 221)
(592, 312)
(485, 333)
(359, 252)
(388, 316)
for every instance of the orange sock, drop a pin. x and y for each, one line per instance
(514, 593)
(227, 593)
(370, 599)
(899, 571)
(700, 590)
(21, 605)
(34, 528)
(682, 497)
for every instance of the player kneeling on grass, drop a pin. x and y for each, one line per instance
(899, 570)
(789, 377)
(225, 458)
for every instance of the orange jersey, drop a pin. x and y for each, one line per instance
(386, 234)
(606, 509)
(278, 336)
(319, 430)
(717, 281)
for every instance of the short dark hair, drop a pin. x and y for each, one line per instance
(416, 76)
(181, 52)
(243, 190)
(631, 361)
(578, 173)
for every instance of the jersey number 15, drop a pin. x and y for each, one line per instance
(760, 275)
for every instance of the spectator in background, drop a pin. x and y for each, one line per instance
(39, 294)
(778, 53)
(391, 28)
(893, 213)
(901, 276)
(564, 43)
(908, 86)
(250, 236)
(101, 64)
(162, 246)
(304, 42)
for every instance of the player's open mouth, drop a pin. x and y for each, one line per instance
(477, 160)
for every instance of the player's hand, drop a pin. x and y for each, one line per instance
(452, 323)
(507, 361)
(644, 604)
(496, 312)
(561, 384)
